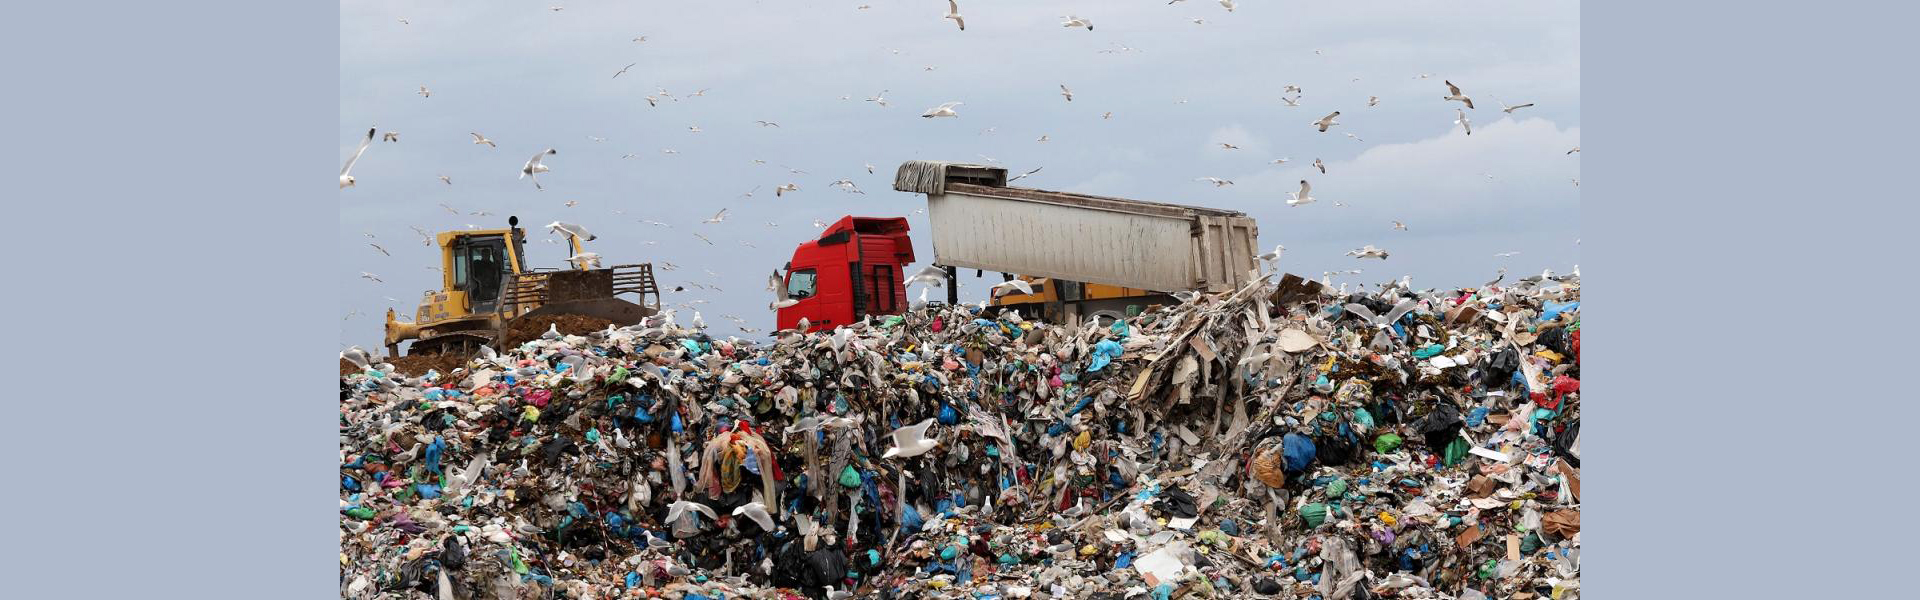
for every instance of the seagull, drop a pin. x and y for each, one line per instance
(1373, 100)
(1024, 175)
(1320, 165)
(1456, 95)
(652, 101)
(819, 223)
(1043, 138)
(1575, 149)
(669, 151)
(1509, 109)
(1293, 102)
(693, 128)
(585, 260)
(1072, 22)
(767, 123)
(880, 98)
(1227, 146)
(1107, 115)
(616, 74)
(757, 511)
(783, 189)
(445, 180)
(573, 203)
(480, 139)
(702, 92)
(1066, 92)
(1368, 251)
(640, 39)
(424, 92)
(391, 136)
(848, 186)
(704, 239)
(533, 167)
(750, 192)
(1290, 89)
(377, 247)
(1005, 287)
(1355, 137)
(932, 275)
(717, 217)
(911, 441)
(680, 508)
(558, 9)
(1281, 161)
(944, 110)
(869, 168)
(1199, 21)
(1576, 182)
(1506, 255)
(1398, 226)
(403, 21)
(1326, 121)
(1462, 121)
(953, 12)
(1216, 181)
(1304, 196)
(370, 276)
(346, 180)
(449, 209)
(657, 224)
(779, 304)
(572, 230)
(1228, 4)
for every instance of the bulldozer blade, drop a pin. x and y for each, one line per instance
(621, 312)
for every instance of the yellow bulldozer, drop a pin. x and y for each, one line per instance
(487, 287)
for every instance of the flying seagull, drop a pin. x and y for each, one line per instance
(1506, 255)
(444, 179)
(1326, 121)
(1006, 287)
(424, 92)
(572, 230)
(480, 139)
(1398, 226)
(1304, 196)
(944, 110)
(1281, 161)
(1373, 100)
(784, 188)
(717, 217)
(1455, 94)
(1575, 149)
(1024, 175)
(1227, 146)
(1462, 121)
(377, 247)
(953, 12)
(616, 74)
(1216, 181)
(1290, 89)
(1320, 165)
(346, 180)
(767, 123)
(1509, 109)
(391, 136)
(1291, 102)
(1066, 92)
(533, 167)
(1072, 22)
(1368, 251)
(370, 276)
(911, 441)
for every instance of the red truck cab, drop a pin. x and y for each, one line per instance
(852, 270)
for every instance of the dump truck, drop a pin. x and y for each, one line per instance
(1084, 256)
(487, 287)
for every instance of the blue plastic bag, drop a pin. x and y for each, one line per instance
(1103, 353)
(1297, 452)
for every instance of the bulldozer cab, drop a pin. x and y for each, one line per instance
(482, 263)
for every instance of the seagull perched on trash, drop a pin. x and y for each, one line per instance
(1278, 250)
(1454, 94)
(346, 180)
(943, 110)
(911, 441)
(1326, 121)
(1368, 251)
(1304, 196)
(1005, 287)
(533, 168)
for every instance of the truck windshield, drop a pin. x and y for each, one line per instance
(800, 283)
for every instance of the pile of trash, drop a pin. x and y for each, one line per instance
(1264, 443)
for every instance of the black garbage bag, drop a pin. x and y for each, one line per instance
(826, 566)
(1439, 426)
(1332, 448)
(1266, 585)
(1557, 340)
(1563, 443)
(452, 555)
(790, 564)
(1499, 368)
(1177, 502)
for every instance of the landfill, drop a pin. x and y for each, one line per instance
(1277, 441)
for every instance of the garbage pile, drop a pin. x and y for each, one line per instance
(1259, 443)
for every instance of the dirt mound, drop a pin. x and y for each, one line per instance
(415, 364)
(533, 327)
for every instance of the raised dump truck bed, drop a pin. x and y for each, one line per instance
(980, 222)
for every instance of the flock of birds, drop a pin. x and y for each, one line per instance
(929, 277)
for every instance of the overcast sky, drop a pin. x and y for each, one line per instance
(531, 78)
